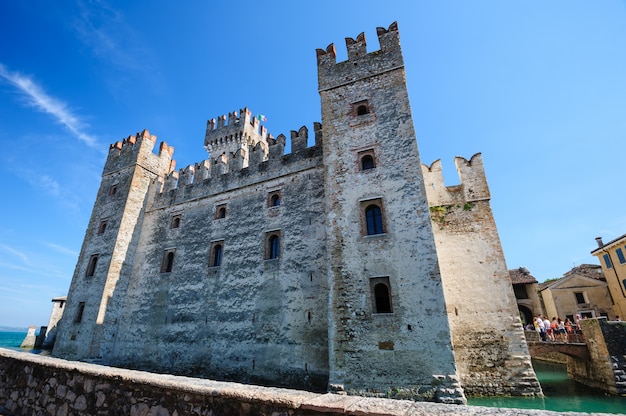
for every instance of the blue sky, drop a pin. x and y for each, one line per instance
(538, 87)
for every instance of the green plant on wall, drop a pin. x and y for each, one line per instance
(438, 214)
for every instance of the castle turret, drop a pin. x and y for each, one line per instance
(106, 258)
(234, 138)
(388, 329)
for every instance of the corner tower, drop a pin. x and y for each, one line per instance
(106, 258)
(388, 329)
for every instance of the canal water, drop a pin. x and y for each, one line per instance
(561, 395)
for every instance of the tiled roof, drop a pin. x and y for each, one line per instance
(593, 271)
(521, 276)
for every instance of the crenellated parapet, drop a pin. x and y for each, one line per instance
(248, 163)
(138, 149)
(473, 186)
(360, 63)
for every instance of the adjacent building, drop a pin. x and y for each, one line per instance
(612, 256)
(581, 291)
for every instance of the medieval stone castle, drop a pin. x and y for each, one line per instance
(345, 266)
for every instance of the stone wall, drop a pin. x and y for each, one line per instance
(32, 384)
(487, 334)
(606, 369)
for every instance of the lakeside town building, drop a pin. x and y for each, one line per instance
(345, 266)
(612, 257)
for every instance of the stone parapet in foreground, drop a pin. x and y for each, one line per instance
(34, 384)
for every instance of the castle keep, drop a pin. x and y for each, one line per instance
(344, 266)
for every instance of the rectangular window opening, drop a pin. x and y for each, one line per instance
(620, 256)
(79, 312)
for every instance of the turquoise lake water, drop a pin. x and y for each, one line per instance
(562, 394)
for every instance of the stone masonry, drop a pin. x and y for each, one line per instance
(38, 385)
(325, 269)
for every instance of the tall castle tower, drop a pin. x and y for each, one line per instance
(106, 258)
(388, 329)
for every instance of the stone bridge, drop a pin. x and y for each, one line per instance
(599, 362)
(579, 351)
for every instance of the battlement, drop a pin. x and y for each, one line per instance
(138, 149)
(360, 64)
(247, 164)
(240, 131)
(473, 186)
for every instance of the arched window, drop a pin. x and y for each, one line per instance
(275, 200)
(273, 247)
(175, 221)
(221, 213)
(168, 261)
(362, 110)
(373, 220)
(91, 266)
(367, 162)
(217, 255)
(382, 298)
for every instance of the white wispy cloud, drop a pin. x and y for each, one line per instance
(61, 249)
(16, 253)
(39, 99)
(113, 40)
(41, 181)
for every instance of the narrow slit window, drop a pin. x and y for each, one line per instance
(79, 313)
(102, 227)
(168, 261)
(272, 245)
(217, 252)
(91, 266)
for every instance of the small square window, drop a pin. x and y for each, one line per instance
(580, 297)
(360, 108)
(366, 160)
(220, 211)
(216, 254)
(274, 199)
(167, 264)
(102, 227)
(272, 245)
(380, 290)
(91, 266)
(175, 222)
